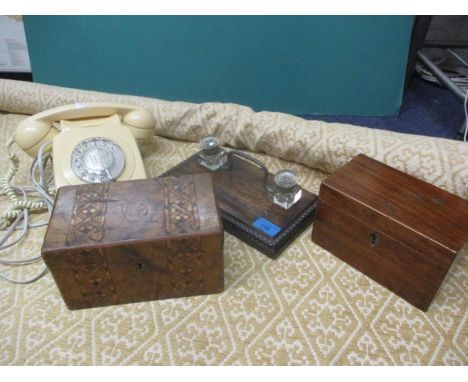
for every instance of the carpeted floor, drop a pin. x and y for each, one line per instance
(427, 109)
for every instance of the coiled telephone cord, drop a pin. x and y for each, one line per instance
(20, 207)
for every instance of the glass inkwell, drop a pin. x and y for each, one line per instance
(285, 191)
(212, 155)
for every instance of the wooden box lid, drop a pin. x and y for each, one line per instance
(416, 213)
(132, 212)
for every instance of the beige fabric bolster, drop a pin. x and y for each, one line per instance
(325, 146)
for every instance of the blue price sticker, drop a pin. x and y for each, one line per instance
(266, 226)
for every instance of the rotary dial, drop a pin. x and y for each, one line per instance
(97, 160)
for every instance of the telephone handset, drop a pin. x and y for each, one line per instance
(91, 142)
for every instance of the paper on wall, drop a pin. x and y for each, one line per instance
(14, 55)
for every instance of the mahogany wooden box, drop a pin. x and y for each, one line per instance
(133, 241)
(398, 230)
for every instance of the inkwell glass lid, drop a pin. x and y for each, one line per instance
(209, 144)
(285, 179)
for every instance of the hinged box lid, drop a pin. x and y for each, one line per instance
(132, 241)
(418, 214)
(132, 211)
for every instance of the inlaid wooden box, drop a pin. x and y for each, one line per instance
(138, 240)
(398, 230)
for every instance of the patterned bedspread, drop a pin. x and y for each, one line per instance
(305, 308)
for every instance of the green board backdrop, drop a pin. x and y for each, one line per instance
(329, 65)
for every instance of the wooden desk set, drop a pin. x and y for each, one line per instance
(140, 240)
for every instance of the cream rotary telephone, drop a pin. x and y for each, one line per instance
(91, 143)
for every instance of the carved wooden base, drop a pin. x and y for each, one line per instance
(246, 211)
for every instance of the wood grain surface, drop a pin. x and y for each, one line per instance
(242, 198)
(132, 241)
(400, 231)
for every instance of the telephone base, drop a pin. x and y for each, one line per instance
(65, 144)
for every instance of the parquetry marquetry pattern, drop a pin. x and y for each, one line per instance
(89, 212)
(307, 307)
(86, 226)
(181, 216)
(180, 207)
(185, 263)
(92, 275)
